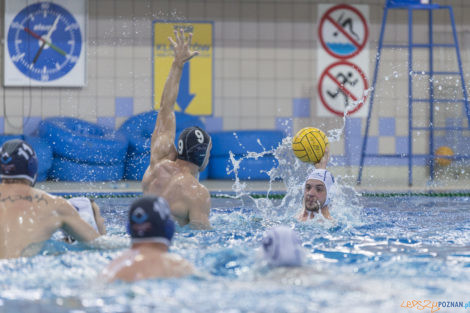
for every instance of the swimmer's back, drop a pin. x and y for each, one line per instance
(28, 216)
(189, 200)
(150, 264)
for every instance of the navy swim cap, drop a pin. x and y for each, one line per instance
(193, 146)
(150, 221)
(18, 160)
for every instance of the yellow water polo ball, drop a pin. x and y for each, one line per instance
(443, 151)
(309, 144)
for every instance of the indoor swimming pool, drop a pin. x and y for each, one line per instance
(380, 254)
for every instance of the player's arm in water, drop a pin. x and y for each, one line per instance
(163, 137)
(201, 203)
(98, 218)
(73, 224)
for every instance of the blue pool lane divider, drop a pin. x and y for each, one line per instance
(84, 151)
(240, 143)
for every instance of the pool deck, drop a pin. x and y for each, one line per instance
(226, 187)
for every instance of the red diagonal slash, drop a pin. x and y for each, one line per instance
(341, 86)
(341, 29)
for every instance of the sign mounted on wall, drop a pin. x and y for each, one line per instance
(45, 43)
(342, 60)
(342, 87)
(195, 94)
(343, 31)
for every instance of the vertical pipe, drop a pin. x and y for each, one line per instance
(410, 95)
(372, 94)
(431, 95)
(459, 62)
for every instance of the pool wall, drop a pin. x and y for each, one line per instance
(264, 74)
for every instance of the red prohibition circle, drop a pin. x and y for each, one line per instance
(322, 22)
(322, 77)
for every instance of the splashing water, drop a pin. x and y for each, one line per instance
(292, 171)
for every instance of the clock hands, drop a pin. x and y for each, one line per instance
(50, 44)
(46, 38)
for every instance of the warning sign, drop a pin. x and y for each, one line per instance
(343, 31)
(342, 88)
(342, 59)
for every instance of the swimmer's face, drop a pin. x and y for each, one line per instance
(314, 195)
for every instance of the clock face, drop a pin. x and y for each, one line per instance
(44, 41)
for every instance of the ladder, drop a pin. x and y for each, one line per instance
(410, 6)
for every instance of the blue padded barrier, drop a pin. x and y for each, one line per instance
(83, 141)
(136, 165)
(68, 170)
(250, 169)
(44, 154)
(243, 141)
(139, 128)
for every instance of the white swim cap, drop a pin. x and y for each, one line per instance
(84, 208)
(326, 178)
(282, 247)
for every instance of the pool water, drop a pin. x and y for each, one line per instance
(379, 254)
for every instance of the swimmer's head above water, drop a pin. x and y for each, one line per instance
(150, 221)
(194, 145)
(317, 190)
(282, 247)
(18, 161)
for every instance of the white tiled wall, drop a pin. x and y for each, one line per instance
(265, 56)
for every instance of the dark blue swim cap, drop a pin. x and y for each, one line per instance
(18, 160)
(150, 221)
(193, 146)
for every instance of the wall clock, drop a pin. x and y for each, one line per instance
(45, 43)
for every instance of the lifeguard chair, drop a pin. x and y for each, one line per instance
(431, 100)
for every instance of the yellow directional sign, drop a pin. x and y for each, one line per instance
(195, 91)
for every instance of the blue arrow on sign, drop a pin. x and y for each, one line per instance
(184, 97)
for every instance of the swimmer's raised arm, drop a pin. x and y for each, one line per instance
(324, 160)
(163, 137)
(73, 224)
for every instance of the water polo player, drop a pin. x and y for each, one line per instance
(317, 194)
(30, 216)
(173, 171)
(282, 247)
(151, 229)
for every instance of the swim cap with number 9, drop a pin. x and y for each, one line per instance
(193, 146)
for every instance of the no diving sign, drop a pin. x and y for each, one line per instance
(342, 59)
(342, 88)
(343, 31)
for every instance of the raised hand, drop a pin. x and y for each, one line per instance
(324, 160)
(182, 47)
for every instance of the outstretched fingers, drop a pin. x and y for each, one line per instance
(173, 43)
